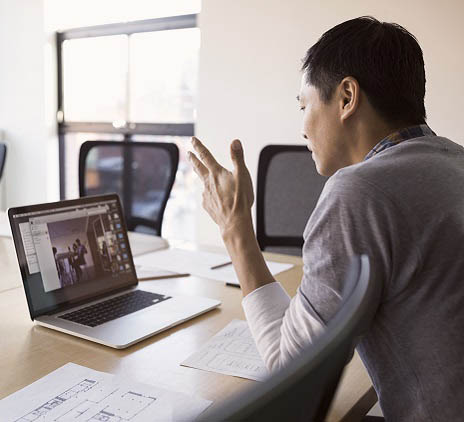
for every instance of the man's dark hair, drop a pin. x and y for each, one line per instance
(384, 58)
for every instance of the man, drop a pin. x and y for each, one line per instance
(58, 265)
(396, 192)
(81, 251)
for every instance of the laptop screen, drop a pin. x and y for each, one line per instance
(70, 251)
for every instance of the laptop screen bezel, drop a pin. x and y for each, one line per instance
(88, 200)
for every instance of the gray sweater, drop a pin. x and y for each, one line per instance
(404, 207)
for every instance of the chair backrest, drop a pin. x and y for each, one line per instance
(287, 191)
(303, 390)
(2, 158)
(141, 173)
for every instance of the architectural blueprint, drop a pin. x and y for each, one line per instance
(232, 351)
(79, 394)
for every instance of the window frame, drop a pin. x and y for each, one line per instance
(130, 128)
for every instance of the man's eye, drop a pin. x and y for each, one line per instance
(302, 108)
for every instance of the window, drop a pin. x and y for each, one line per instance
(130, 81)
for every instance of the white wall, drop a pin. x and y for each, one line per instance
(251, 54)
(22, 101)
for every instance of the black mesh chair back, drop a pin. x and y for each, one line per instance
(287, 191)
(2, 158)
(304, 389)
(141, 173)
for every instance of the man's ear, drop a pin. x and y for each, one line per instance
(349, 94)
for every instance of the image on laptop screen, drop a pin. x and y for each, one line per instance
(75, 246)
(70, 252)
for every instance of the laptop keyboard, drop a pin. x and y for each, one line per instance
(116, 307)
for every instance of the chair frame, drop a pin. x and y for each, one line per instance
(283, 392)
(265, 157)
(132, 222)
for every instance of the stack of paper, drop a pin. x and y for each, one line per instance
(79, 394)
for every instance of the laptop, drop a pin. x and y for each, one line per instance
(79, 275)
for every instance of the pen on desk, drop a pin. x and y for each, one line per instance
(160, 277)
(215, 267)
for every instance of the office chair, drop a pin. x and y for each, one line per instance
(304, 389)
(2, 158)
(287, 191)
(142, 173)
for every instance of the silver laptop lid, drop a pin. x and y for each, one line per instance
(71, 252)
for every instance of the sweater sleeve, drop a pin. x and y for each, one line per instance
(279, 325)
(351, 217)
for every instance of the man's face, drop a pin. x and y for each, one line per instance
(322, 130)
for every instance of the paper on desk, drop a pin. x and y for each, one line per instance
(232, 351)
(141, 243)
(79, 394)
(199, 264)
(146, 273)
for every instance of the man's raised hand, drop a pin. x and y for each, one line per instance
(227, 196)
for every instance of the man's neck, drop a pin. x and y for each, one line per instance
(369, 134)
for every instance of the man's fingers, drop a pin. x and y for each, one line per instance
(198, 166)
(236, 153)
(204, 154)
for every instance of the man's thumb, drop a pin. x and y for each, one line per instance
(236, 152)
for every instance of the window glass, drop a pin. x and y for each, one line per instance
(95, 79)
(148, 77)
(163, 76)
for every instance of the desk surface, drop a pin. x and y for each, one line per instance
(29, 351)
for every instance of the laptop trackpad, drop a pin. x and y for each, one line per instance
(157, 317)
